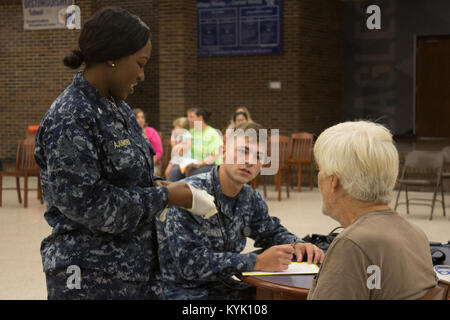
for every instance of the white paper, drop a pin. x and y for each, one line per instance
(294, 268)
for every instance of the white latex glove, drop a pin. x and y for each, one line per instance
(202, 203)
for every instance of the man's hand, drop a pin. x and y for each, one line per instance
(313, 253)
(276, 258)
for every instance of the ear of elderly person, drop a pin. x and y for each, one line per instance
(379, 254)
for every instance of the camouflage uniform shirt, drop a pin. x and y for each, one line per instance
(97, 182)
(198, 256)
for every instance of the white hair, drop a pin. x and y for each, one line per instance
(363, 156)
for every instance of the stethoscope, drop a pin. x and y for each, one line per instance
(246, 231)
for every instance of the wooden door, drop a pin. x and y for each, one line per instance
(433, 87)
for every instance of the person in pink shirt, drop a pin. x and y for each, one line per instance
(154, 138)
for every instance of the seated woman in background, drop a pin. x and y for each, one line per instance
(239, 118)
(205, 149)
(152, 136)
(180, 141)
(238, 110)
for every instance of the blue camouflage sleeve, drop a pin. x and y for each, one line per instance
(79, 191)
(192, 254)
(267, 231)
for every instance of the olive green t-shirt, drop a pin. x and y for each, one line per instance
(206, 143)
(380, 256)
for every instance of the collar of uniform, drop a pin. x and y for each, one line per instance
(241, 196)
(80, 82)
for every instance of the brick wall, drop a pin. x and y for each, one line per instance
(32, 74)
(308, 69)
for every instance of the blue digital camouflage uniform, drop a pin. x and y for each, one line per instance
(198, 257)
(97, 182)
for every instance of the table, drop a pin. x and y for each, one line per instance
(280, 287)
(296, 287)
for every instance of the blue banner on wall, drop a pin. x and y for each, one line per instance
(238, 27)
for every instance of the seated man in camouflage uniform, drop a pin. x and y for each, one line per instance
(198, 257)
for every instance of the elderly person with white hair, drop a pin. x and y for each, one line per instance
(378, 255)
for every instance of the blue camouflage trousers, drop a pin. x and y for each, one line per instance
(98, 285)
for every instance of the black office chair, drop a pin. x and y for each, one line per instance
(422, 169)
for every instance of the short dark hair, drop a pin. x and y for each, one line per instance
(200, 112)
(111, 33)
(239, 114)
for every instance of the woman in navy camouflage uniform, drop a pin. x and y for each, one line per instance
(97, 171)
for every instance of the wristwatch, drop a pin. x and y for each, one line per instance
(295, 241)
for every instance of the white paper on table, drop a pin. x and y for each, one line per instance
(294, 268)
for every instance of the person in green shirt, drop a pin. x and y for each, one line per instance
(205, 148)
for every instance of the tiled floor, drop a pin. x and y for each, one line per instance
(22, 230)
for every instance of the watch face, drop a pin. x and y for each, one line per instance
(246, 231)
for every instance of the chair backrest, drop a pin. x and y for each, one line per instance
(439, 292)
(25, 156)
(424, 160)
(283, 148)
(446, 153)
(423, 164)
(301, 146)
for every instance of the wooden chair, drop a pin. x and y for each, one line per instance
(440, 292)
(25, 167)
(422, 169)
(283, 167)
(167, 150)
(301, 154)
(446, 167)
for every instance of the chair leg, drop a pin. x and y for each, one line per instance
(311, 186)
(398, 196)
(299, 178)
(443, 198)
(287, 183)
(25, 192)
(18, 189)
(433, 202)
(407, 200)
(265, 188)
(289, 177)
(1, 189)
(278, 183)
(39, 187)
